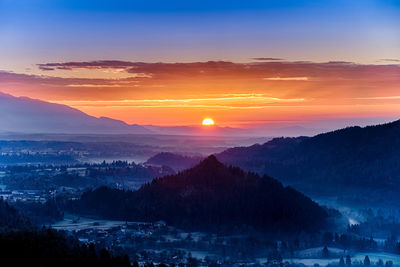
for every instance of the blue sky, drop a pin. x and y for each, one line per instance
(42, 31)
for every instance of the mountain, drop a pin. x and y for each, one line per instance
(176, 161)
(351, 158)
(26, 115)
(209, 196)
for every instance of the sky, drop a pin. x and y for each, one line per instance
(243, 63)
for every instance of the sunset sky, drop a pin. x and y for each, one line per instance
(242, 63)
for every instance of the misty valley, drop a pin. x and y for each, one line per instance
(327, 200)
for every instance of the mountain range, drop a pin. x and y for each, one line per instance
(26, 115)
(32, 116)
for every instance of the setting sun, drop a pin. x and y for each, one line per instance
(208, 122)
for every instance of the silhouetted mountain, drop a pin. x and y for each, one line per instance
(354, 157)
(175, 161)
(209, 196)
(26, 115)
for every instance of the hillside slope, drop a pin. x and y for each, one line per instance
(363, 158)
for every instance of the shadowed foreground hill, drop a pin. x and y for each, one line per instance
(22, 244)
(209, 196)
(359, 158)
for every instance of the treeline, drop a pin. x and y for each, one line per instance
(111, 174)
(10, 218)
(47, 247)
(124, 169)
(31, 158)
(40, 213)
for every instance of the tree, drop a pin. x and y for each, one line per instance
(341, 261)
(337, 238)
(327, 238)
(126, 262)
(274, 256)
(325, 252)
(191, 262)
(92, 256)
(348, 260)
(367, 262)
(105, 259)
(344, 241)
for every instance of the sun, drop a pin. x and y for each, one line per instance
(208, 122)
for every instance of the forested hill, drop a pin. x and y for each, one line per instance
(358, 157)
(209, 196)
(10, 218)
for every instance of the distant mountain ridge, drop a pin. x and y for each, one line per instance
(352, 157)
(209, 196)
(30, 116)
(23, 114)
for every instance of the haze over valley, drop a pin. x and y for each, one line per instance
(166, 133)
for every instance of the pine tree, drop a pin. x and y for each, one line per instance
(341, 261)
(325, 252)
(348, 260)
(367, 262)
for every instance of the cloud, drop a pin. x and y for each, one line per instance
(286, 79)
(100, 64)
(187, 80)
(267, 58)
(96, 85)
(44, 68)
(390, 60)
(226, 69)
(395, 97)
(220, 98)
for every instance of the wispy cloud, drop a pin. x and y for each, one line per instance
(390, 60)
(223, 101)
(100, 64)
(380, 98)
(286, 79)
(267, 58)
(99, 85)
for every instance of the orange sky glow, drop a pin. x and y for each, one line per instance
(233, 94)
